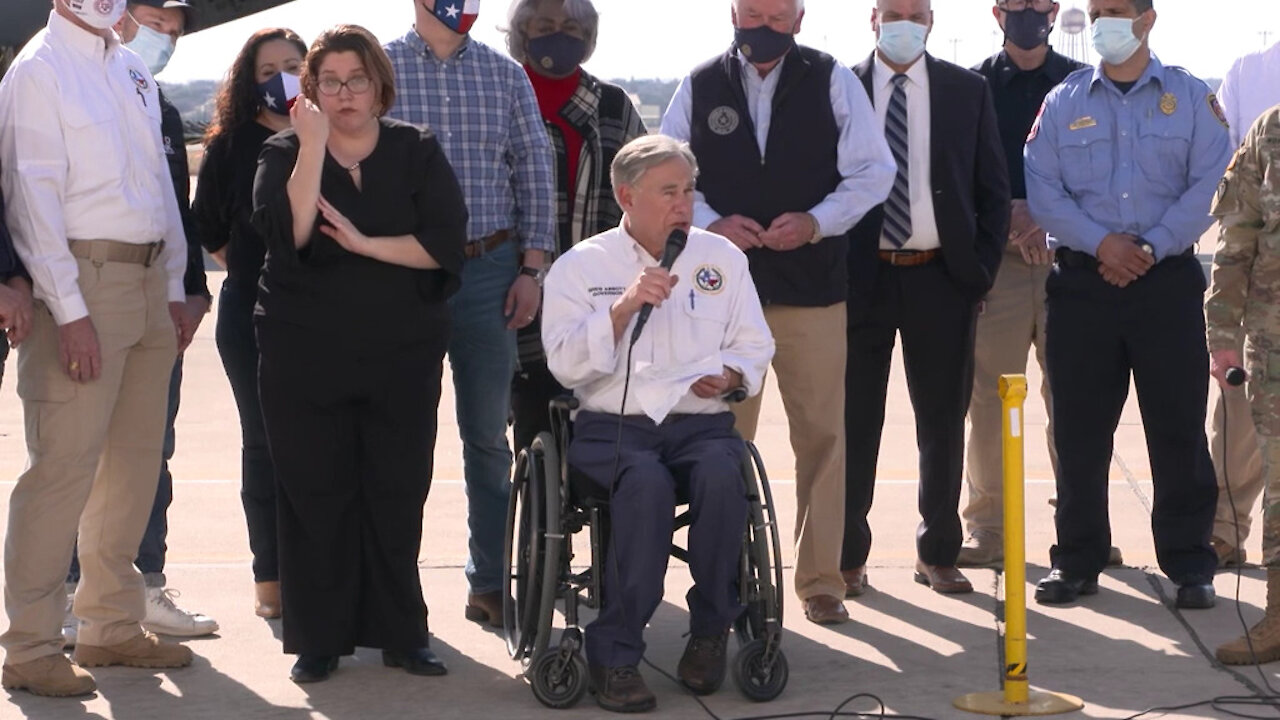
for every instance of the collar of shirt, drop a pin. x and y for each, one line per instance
(1154, 72)
(92, 46)
(917, 74)
(1055, 67)
(623, 238)
(420, 46)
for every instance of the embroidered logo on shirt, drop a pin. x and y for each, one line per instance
(106, 6)
(605, 291)
(1035, 126)
(168, 145)
(709, 279)
(139, 79)
(1217, 110)
(723, 120)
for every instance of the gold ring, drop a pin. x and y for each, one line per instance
(74, 366)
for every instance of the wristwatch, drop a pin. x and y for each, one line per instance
(817, 230)
(538, 274)
(1147, 247)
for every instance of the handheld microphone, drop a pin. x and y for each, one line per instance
(675, 245)
(1235, 376)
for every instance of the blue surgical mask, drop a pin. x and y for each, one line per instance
(902, 41)
(762, 44)
(1114, 40)
(155, 48)
(557, 54)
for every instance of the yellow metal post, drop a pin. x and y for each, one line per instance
(1017, 698)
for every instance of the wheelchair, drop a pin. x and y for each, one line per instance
(550, 503)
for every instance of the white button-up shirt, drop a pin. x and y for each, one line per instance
(924, 224)
(1250, 88)
(82, 158)
(712, 320)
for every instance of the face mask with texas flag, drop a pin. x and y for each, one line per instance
(457, 15)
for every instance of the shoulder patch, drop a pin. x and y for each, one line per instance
(1217, 110)
(1035, 126)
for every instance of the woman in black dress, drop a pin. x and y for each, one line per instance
(365, 224)
(251, 107)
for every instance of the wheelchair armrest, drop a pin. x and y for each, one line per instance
(736, 395)
(564, 403)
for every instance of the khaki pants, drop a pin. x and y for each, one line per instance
(1011, 322)
(810, 363)
(1236, 459)
(94, 458)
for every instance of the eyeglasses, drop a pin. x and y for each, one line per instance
(1020, 5)
(358, 85)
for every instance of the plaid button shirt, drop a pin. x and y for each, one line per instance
(482, 108)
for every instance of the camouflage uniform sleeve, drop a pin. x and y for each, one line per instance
(1239, 212)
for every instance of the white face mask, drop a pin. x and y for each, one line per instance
(1114, 40)
(902, 41)
(99, 14)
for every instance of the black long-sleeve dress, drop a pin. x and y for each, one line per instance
(352, 351)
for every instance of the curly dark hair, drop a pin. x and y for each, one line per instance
(238, 101)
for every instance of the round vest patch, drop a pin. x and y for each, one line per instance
(723, 120)
(709, 279)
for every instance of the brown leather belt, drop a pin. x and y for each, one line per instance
(909, 258)
(115, 251)
(476, 248)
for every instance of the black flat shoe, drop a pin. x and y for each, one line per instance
(1195, 596)
(1058, 588)
(416, 662)
(313, 668)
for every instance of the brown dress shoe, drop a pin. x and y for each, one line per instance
(51, 676)
(1228, 555)
(855, 581)
(266, 602)
(825, 610)
(702, 666)
(143, 651)
(485, 608)
(621, 689)
(943, 579)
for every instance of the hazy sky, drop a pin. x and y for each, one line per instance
(666, 38)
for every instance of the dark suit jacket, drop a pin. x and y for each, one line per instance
(970, 186)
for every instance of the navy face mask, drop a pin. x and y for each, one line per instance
(762, 44)
(1027, 29)
(557, 54)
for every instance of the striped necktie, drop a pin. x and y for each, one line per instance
(897, 209)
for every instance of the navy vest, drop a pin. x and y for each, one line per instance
(799, 169)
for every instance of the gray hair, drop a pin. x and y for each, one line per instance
(799, 5)
(522, 11)
(646, 152)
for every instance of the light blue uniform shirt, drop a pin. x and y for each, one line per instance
(1145, 163)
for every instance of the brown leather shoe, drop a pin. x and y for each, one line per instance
(947, 580)
(702, 666)
(51, 676)
(825, 610)
(143, 651)
(621, 689)
(1228, 555)
(266, 603)
(1114, 557)
(485, 608)
(855, 581)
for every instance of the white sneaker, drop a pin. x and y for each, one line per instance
(165, 618)
(70, 625)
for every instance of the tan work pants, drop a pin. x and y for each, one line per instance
(1236, 460)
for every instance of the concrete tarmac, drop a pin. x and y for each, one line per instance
(1122, 651)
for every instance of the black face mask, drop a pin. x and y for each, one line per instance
(1027, 29)
(762, 44)
(557, 54)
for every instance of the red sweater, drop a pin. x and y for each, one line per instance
(553, 94)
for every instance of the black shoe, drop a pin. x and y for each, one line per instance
(1058, 588)
(313, 668)
(702, 666)
(621, 689)
(420, 661)
(1195, 596)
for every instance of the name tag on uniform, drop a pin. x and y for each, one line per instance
(1081, 123)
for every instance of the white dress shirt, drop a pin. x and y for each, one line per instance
(1250, 88)
(862, 157)
(924, 226)
(83, 159)
(712, 320)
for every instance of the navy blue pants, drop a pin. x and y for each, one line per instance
(696, 458)
(1096, 335)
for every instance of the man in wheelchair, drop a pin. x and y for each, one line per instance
(671, 435)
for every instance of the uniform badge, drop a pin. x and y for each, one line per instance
(139, 79)
(1168, 103)
(1217, 110)
(723, 120)
(709, 279)
(1081, 123)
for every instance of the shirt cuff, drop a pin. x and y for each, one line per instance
(530, 243)
(752, 384)
(602, 350)
(177, 291)
(68, 309)
(1162, 242)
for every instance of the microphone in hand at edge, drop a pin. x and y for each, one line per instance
(675, 245)
(1235, 376)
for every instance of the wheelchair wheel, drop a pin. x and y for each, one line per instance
(762, 557)
(758, 676)
(558, 678)
(533, 548)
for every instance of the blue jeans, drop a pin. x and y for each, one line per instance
(152, 549)
(482, 353)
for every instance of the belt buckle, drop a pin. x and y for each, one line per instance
(896, 256)
(153, 253)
